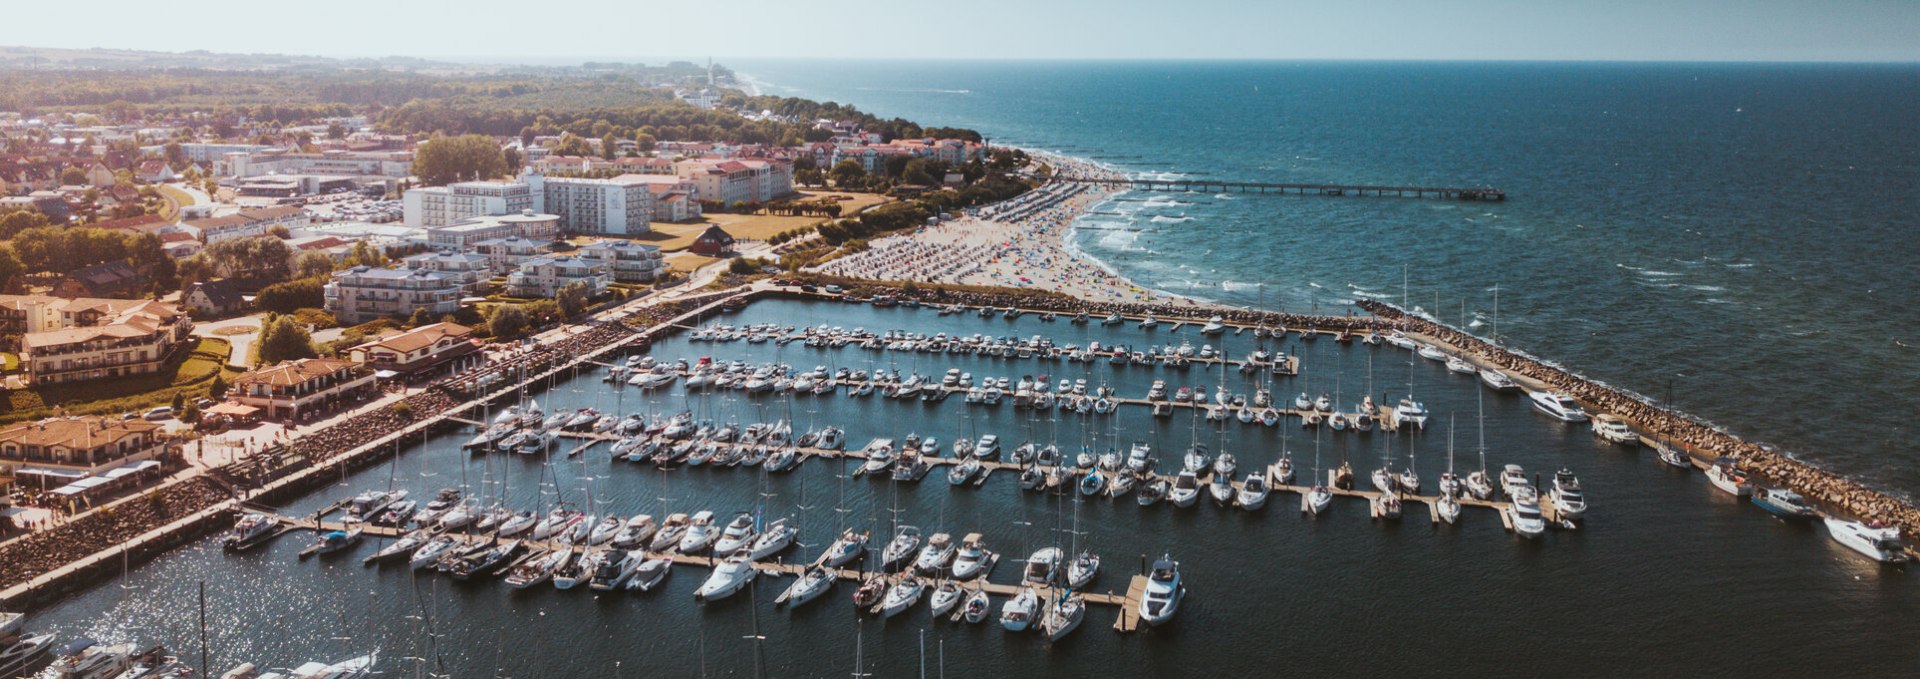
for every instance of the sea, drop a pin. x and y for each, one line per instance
(1733, 239)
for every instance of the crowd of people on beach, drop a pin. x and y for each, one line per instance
(1703, 440)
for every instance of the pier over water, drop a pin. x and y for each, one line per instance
(1484, 194)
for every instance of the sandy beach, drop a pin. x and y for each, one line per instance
(1019, 243)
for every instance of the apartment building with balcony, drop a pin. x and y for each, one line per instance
(467, 268)
(362, 293)
(289, 389)
(74, 340)
(444, 205)
(544, 276)
(626, 261)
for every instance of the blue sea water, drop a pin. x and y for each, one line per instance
(1740, 235)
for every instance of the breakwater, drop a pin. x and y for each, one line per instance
(1698, 438)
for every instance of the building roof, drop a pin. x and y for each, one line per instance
(220, 293)
(290, 373)
(420, 338)
(715, 234)
(105, 276)
(75, 432)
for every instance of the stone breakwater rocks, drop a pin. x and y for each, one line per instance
(1828, 489)
(42, 552)
(936, 295)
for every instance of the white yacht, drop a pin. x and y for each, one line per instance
(1408, 412)
(1525, 513)
(1043, 567)
(1497, 381)
(1214, 326)
(900, 550)
(1612, 429)
(1460, 365)
(736, 536)
(1565, 494)
(700, 534)
(1512, 479)
(809, 586)
(1318, 499)
(777, 537)
(934, 557)
(972, 559)
(729, 577)
(1873, 540)
(849, 546)
(1185, 490)
(1557, 406)
(1064, 616)
(1164, 591)
(1728, 478)
(1018, 613)
(1253, 493)
(902, 595)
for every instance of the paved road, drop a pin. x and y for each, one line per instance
(242, 344)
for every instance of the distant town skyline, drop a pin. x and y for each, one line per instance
(499, 31)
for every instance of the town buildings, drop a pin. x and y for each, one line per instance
(469, 269)
(291, 389)
(73, 340)
(625, 260)
(544, 276)
(70, 448)
(416, 350)
(249, 223)
(363, 293)
(731, 181)
(443, 205)
(466, 232)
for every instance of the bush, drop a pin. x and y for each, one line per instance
(291, 296)
(320, 319)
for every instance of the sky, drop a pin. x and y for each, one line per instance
(642, 30)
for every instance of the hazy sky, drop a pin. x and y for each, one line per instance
(1745, 30)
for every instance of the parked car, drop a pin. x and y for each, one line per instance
(834, 289)
(160, 413)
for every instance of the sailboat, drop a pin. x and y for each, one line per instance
(1450, 487)
(1319, 497)
(1479, 485)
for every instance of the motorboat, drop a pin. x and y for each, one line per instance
(1018, 613)
(1784, 503)
(936, 554)
(1092, 484)
(1557, 406)
(1568, 503)
(1253, 493)
(987, 448)
(1283, 470)
(1185, 490)
(671, 532)
(429, 554)
(1387, 506)
(1512, 479)
(1064, 616)
(1164, 592)
(1877, 542)
(900, 550)
(367, 505)
(20, 654)
(1612, 429)
(1460, 365)
(879, 455)
(650, 574)
(700, 533)
(737, 535)
(580, 571)
(1220, 488)
(1525, 513)
(963, 471)
(1043, 567)
(1214, 326)
(1082, 569)
(810, 585)
(1726, 477)
(849, 546)
(635, 532)
(902, 595)
(334, 541)
(978, 605)
(614, 568)
(84, 658)
(972, 559)
(946, 597)
(730, 576)
(251, 530)
(1497, 381)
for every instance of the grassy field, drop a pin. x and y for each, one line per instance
(677, 237)
(176, 198)
(687, 262)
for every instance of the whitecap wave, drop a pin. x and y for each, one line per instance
(1163, 219)
(1707, 288)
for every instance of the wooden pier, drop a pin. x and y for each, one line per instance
(1485, 194)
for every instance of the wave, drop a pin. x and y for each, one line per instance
(1707, 288)
(1715, 300)
(1315, 285)
(1163, 219)
(1477, 323)
(1231, 286)
(1224, 197)
(1747, 265)
(1368, 295)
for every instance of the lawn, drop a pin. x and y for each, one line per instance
(9, 362)
(686, 263)
(677, 237)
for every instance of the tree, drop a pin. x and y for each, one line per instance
(11, 271)
(291, 296)
(571, 144)
(175, 155)
(73, 176)
(190, 413)
(507, 320)
(848, 172)
(280, 231)
(283, 338)
(420, 317)
(609, 146)
(262, 258)
(15, 221)
(446, 160)
(218, 388)
(145, 254)
(514, 159)
(645, 142)
(312, 264)
(336, 131)
(364, 254)
(572, 298)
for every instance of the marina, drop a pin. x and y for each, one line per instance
(824, 488)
